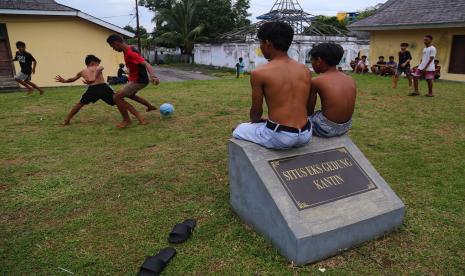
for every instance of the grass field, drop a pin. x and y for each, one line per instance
(92, 199)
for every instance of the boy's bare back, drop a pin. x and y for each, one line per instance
(337, 92)
(286, 87)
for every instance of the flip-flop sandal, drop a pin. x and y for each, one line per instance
(414, 94)
(154, 265)
(183, 231)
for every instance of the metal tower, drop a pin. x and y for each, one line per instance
(291, 12)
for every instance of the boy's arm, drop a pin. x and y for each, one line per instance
(73, 79)
(256, 111)
(34, 64)
(153, 77)
(312, 99)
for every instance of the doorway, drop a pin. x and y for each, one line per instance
(6, 68)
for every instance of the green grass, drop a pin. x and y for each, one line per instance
(93, 199)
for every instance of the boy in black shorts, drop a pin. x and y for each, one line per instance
(98, 89)
(404, 65)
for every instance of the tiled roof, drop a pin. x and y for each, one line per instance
(43, 5)
(414, 13)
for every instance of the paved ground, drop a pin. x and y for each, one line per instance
(170, 74)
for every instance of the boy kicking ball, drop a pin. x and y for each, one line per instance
(138, 78)
(98, 89)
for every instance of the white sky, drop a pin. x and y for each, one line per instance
(118, 11)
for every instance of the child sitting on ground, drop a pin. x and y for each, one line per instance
(380, 67)
(391, 67)
(362, 65)
(122, 78)
(336, 90)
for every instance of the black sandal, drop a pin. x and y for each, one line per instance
(155, 265)
(183, 231)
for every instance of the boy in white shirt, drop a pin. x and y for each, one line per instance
(426, 67)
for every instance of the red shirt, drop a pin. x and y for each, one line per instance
(137, 71)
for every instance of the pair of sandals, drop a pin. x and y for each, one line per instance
(154, 265)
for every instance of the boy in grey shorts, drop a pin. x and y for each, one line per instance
(28, 67)
(336, 90)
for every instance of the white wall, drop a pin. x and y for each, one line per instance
(227, 54)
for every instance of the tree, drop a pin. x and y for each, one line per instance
(182, 27)
(366, 13)
(241, 14)
(217, 16)
(329, 25)
(144, 36)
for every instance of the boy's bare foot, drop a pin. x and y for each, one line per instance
(123, 124)
(151, 108)
(414, 94)
(143, 122)
(41, 91)
(65, 123)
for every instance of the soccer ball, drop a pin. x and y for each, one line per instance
(166, 109)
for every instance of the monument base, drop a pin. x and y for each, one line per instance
(311, 207)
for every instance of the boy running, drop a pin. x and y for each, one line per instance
(337, 93)
(426, 67)
(138, 78)
(28, 67)
(97, 90)
(285, 85)
(404, 65)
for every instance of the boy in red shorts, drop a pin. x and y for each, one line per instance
(426, 67)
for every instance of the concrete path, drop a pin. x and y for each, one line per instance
(171, 75)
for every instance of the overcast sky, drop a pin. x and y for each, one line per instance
(119, 12)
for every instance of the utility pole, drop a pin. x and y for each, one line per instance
(138, 27)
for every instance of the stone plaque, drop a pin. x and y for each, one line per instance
(321, 177)
(341, 199)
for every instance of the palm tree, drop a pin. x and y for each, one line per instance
(180, 20)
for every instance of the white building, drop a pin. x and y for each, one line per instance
(227, 54)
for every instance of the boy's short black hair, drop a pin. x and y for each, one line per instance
(121, 65)
(364, 56)
(241, 58)
(331, 53)
(92, 58)
(381, 57)
(436, 60)
(20, 44)
(114, 38)
(404, 44)
(280, 34)
(429, 36)
(391, 57)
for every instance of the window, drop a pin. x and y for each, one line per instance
(457, 57)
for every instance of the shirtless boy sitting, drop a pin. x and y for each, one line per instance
(337, 92)
(285, 85)
(97, 90)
